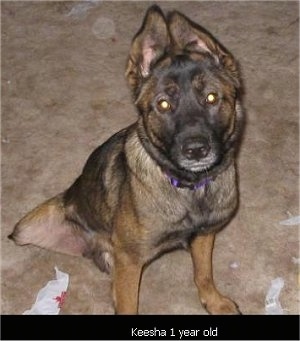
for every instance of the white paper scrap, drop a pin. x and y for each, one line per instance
(272, 304)
(291, 221)
(51, 297)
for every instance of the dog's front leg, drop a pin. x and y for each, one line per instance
(126, 281)
(211, 299)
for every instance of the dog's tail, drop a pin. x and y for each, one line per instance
(46, 226)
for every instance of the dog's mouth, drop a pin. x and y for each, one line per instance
(197, 167)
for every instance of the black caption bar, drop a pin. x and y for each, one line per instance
(202, 327)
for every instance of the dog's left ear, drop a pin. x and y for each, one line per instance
(148, 45)
(189, 36)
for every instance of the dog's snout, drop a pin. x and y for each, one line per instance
(195, 148)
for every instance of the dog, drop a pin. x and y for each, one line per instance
(167, 181)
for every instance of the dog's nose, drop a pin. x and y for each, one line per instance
(195, 148)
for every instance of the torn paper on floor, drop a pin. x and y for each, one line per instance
(51, 297)
(272, 304)
(291, 221)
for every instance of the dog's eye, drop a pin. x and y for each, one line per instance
(163, 105)
(211, 98)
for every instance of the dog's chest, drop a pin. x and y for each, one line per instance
(189, 213)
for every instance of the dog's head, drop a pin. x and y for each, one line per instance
(187, 89)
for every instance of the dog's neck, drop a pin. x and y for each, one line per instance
(178, 184)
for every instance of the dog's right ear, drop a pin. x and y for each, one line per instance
(148, 45)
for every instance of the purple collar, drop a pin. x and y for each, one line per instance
(176, 183)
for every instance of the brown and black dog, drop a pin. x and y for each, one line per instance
(166, 181)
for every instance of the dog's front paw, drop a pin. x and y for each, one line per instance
(221, 306)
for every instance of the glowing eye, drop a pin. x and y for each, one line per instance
(163, 105)
(211, 98)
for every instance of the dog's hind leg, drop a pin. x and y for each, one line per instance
(47, 227)
(211, 299)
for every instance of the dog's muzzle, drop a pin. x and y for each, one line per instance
(195, 153)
